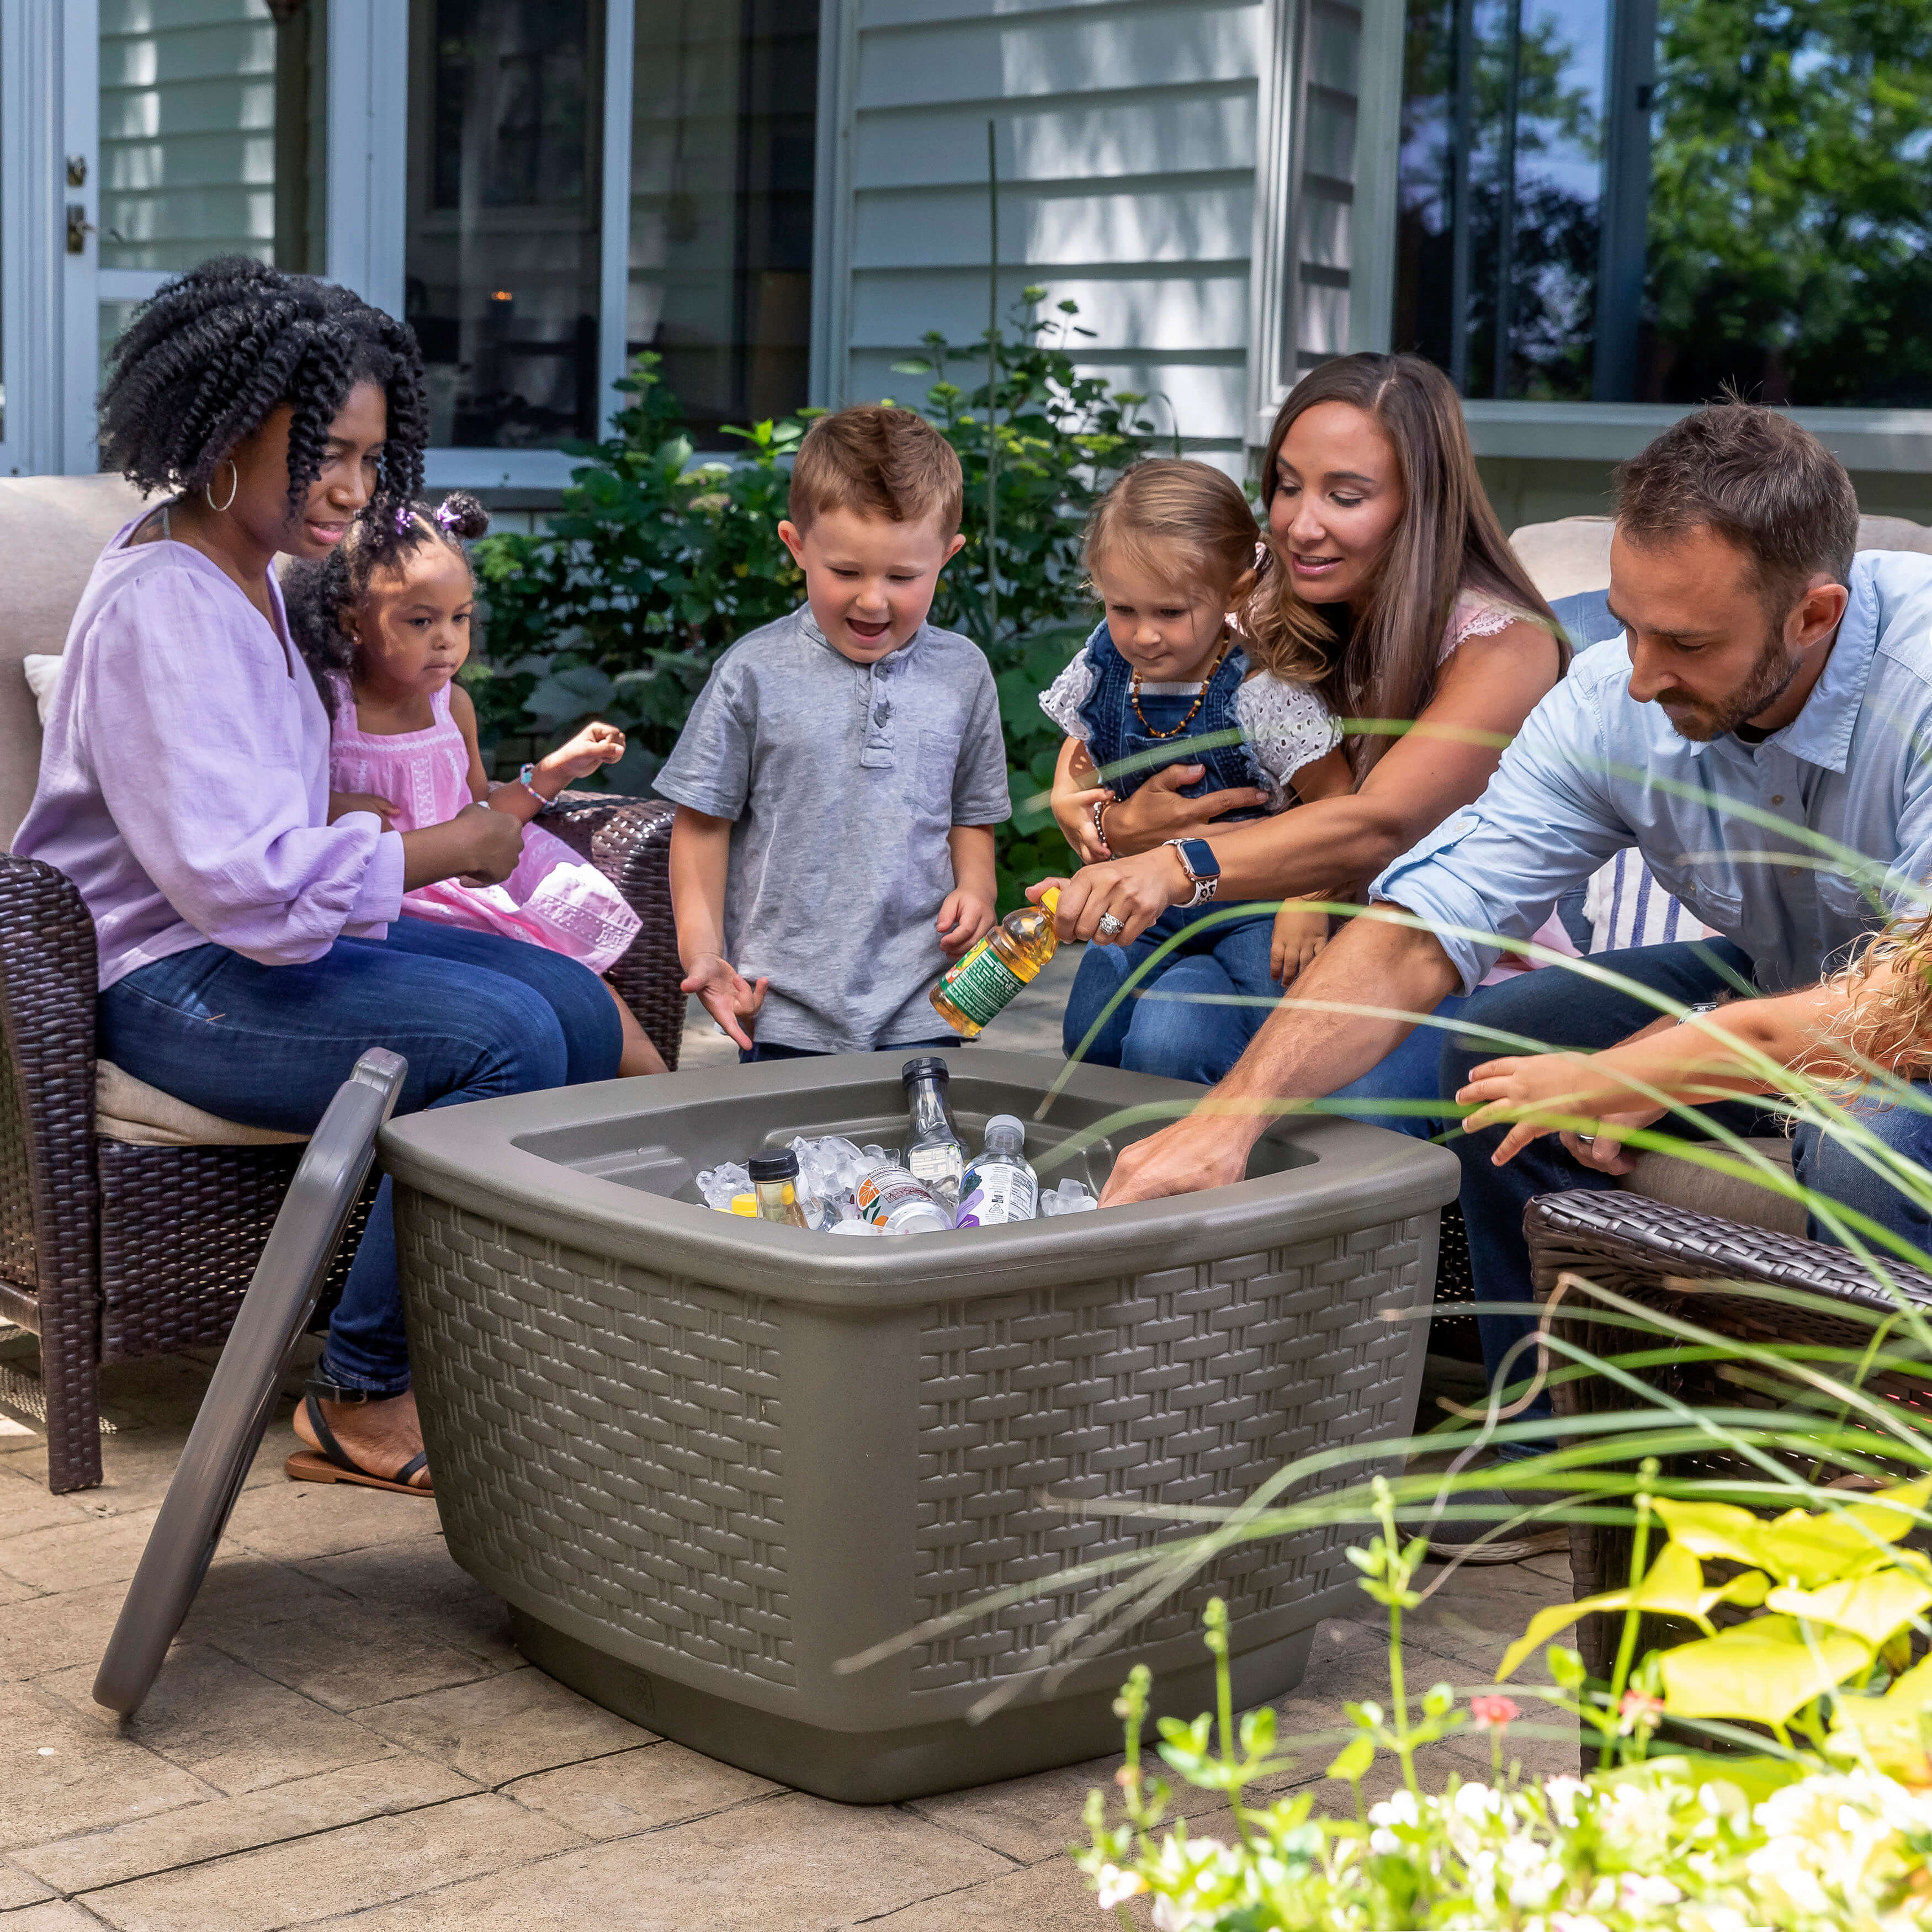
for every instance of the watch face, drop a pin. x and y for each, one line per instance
(1200, 859)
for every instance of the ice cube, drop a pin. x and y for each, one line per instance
(1070, 1197)
(718, 1184)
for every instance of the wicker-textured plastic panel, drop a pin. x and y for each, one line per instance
(1190, 1386)
(1656, 1255)
(620, 1451)
(181, 1229)
(628, 840)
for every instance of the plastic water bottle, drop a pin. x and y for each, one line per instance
(935, 1153)
(1000, 1186)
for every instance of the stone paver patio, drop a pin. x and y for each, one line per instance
(344, 1736)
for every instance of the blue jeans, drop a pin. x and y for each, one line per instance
(474, 1015)
(1192, 1019)
(1562, 1008)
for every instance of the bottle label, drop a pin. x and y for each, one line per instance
(982, 984)
(937, 1163)
(994, 1192)
(894, 1201)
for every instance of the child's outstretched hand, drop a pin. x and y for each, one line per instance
(1546, 1093)
(1299, 933)
(595, 744)
(725, 994)
(342, 802)
(964, 920)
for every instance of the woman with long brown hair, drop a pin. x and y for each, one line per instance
(1390, 588)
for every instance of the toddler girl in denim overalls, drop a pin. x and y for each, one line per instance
(1163, 681)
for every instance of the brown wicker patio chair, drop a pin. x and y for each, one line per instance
(125, 1237)
(1658, 1255)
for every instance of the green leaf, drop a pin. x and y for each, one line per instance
(1871, 1607)
(1353, 1759)
(1799, 1547)
(1761, 1672)
(567, 695)
(1566, 1669)
(1674, 1587)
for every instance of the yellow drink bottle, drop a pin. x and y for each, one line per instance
(976, 988)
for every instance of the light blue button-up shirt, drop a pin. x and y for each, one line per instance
(1592, 771)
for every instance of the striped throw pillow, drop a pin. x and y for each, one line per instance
(1626, 907)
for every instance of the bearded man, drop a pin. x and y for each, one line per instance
(1765, 715)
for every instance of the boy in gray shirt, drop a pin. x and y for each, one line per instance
(839, 777)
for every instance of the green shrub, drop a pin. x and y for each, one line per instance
(658, 560)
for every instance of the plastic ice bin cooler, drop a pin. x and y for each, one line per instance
(704, 1459)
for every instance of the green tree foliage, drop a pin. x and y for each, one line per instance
(1791, 189)
(657, 560)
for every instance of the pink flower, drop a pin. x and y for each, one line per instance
(1639, 1714)
(1493, 1713)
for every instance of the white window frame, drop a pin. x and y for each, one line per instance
(1371, 291)
(33, 200)
(368, 162)
(1898, 442)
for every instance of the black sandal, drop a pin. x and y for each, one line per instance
(332, 1463)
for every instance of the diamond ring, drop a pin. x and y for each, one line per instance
(1111, 928)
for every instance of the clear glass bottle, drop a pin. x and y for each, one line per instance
(976, 988)
(999, 1186)
(774, 1181)
(935, 1153)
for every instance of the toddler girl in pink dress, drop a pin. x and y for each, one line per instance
(384, 622)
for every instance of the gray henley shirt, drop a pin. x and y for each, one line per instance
(841, 780)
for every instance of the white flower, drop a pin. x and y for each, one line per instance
(1575, 1921)
(1563, 1793)
(1535, 1889)
(1115, 1887)
(1642, 1891)
(1398, 1809)
(1712, 1918)
(1476, 1801)
(1170, 1916)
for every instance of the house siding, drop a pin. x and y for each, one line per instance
(1127, 162)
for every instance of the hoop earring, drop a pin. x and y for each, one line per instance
(234, 484)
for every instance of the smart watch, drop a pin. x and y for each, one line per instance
(1203, 869)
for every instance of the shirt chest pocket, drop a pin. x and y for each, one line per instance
(928, 773)
(1718, 903)
(1851, 901)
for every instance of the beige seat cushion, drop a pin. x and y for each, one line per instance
(52, 528)
(128, 1109)
(1683, 1183)
(1574, 554)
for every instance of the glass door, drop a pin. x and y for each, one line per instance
(196, 128)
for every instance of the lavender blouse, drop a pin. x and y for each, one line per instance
(184, 783)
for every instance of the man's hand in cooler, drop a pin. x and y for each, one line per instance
(726, 995)
(1204, 1150)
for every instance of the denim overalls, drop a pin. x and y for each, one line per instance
(1199, 1007)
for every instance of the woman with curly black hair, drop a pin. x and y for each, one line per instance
(250, 950)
